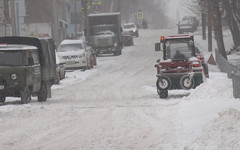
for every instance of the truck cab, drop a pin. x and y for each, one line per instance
(104, 33)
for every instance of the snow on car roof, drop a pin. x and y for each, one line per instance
(71, 41)
(105, 14)
(178, 37)
(129, 24)
(16, 47)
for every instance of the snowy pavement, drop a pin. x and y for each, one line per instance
(116, 106)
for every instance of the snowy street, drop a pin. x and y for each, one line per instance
(116, 106)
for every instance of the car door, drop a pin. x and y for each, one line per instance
(36, 72)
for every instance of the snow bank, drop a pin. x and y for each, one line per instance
(75, 77)
(219, 86)
(221, 133)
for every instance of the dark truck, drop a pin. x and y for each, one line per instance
(27, 68)
(104, 33)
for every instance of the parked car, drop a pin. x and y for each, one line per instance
(75, 54)
(193, 18)
(127, 39)
(180, 68)
(27, 68)
(132, 28)
(186, 26)
(60, 71)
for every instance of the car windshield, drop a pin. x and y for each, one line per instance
(178, 49)
(186, 22)
(70, 47)
(187, 18)
(10, 58)
(107, 32)
(96, 30)
(128, 26)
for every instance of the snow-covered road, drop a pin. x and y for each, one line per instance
(116, 106)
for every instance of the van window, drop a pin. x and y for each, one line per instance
(35, 57)
(11, 58)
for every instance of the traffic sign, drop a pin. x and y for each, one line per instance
(140, 15)
(96, 2)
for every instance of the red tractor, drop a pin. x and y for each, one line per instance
(181, 67)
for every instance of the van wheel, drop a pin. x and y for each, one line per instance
(62, 77)
(42, 95)
(25, 96)
(2, 99)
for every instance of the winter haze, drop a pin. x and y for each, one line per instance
(112, 88)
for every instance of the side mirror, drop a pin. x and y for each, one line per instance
(30, 61)
(157, 47)
(158, 61)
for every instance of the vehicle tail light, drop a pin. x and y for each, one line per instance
(196, 64)
(200, 56)
(3, 44)
(162, 38)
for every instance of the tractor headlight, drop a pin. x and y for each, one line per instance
(14, 76)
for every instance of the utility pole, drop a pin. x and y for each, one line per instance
(5, 16)
(84, 5)
(75, 17)
(209, 3)
(13, 20)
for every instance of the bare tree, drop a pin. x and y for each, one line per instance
(232, 20)
(192, 5)
(217, 24)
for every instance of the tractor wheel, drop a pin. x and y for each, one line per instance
(163, 94)
(186, 83)
(163, 83)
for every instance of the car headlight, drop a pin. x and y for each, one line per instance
(134, 30)
(82, 55)
(14, 76)
(115, 44)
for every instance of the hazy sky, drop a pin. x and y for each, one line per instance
(176, 11)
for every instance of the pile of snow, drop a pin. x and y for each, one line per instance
(75, 77)
(218, 86)
(221, 133)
